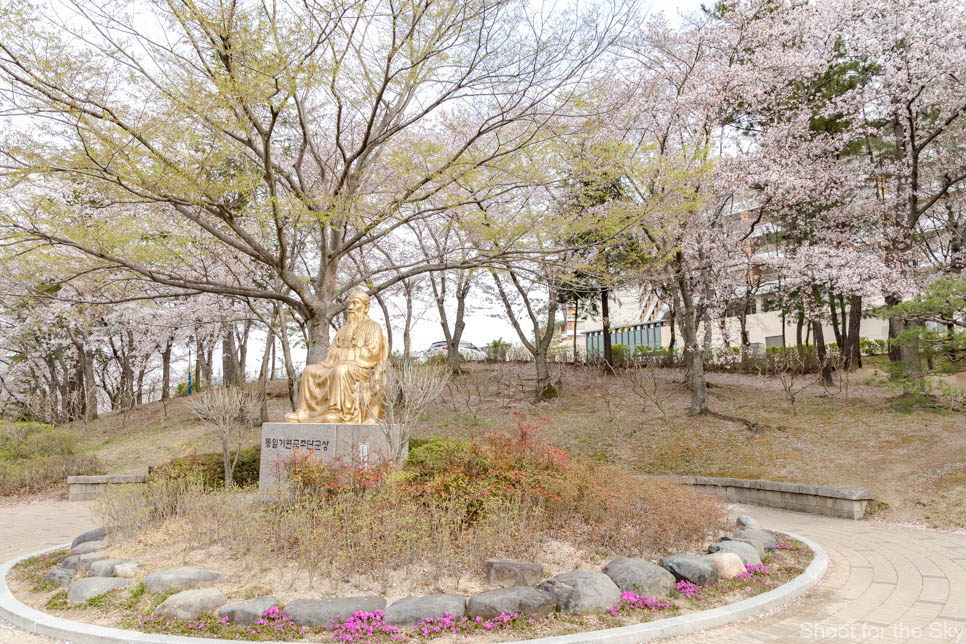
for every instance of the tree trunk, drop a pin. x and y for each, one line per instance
(576, 314)
(853, 353)
(822, 353)
(385, 315)
(408, 326)
(605, 330)
(263, 374)
(836, 328)
(242, 347)
(166, 369)
(798, 330)
(693, 349)
(287, 355)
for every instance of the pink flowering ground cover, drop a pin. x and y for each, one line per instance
(131, 608)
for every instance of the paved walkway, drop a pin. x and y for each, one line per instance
(885, 583)
(30, 527)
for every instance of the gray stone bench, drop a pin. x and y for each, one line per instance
(845, 503)
(85, 488)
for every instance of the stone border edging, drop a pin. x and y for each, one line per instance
(841, 502)
(40, 623)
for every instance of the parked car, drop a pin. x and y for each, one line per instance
(467, 351)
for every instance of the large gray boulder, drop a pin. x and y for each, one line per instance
(175, 578)
(640, 576)
(91, 587)
(96, 534)
(105, 567)
(409, 610)
(128, 569)
(188, 604)
(583, 592)
(697, 570)
(748, 553)
(767, 539)
(759, 546)
(522, 600)
(59, 576)
(81, 563)
(744, 521)
(88, 547)
(249, 611)
(506, 574)
(321, 612)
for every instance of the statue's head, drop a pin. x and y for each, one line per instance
(358, 305)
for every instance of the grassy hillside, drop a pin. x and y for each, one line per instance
(858, 434)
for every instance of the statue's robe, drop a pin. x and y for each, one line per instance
(354, 365)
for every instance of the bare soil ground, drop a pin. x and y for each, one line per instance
(856, 434)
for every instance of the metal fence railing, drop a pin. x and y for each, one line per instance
(645, 334)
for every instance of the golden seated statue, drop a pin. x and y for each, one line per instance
(346, 386)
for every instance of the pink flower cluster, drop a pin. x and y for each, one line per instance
(782, 546)
(273, 618)
(631, 600)
(751, 570)
(364, 626)
(434, 626)
(689, 589)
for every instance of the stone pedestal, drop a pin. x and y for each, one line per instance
(348, 444)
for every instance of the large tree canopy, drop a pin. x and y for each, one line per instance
(246, 148)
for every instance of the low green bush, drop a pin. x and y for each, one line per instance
(211, 470)
(35, 457)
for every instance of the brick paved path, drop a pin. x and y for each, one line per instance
(885, 584)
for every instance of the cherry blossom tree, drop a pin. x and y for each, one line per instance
(289, 135)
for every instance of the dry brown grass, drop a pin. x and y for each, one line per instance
(850, 436)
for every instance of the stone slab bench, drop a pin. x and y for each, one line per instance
(85, 488)
(845, 503)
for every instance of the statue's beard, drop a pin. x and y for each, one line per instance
(354, 318)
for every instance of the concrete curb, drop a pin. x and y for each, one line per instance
(40, 623)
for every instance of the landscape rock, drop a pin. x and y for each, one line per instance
(91, 587)
(693, 568)
(506, 574)
(105, 567)
(188, 604)
(744, 521)
(523, 600)
(409, 610)
(127, 569)
(81, 563)
(583, 592)
(88, 547)
(767, 539)
(748, 553)
(321, 612)
(640, 576)
(181, 577)
(758, 546)
(728, 564)
(249, 611)
(96, 534)
(59, 576)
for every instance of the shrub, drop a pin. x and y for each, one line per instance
(496, 351)
(620, 353)
(210, 470)
(600, 506)
(34, 457)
